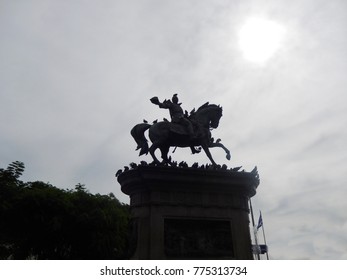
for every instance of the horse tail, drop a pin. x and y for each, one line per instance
(138, 133)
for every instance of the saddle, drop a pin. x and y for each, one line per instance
(178, 128)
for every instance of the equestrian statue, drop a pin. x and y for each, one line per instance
(185, 130)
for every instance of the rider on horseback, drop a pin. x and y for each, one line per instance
(176, 113)
(164, 134)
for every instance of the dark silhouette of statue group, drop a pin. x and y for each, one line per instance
(180, 211)
(184, 130)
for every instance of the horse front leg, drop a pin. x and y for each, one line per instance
(208, 153)
(220, 145)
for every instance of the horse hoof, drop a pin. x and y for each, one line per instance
(228, 157)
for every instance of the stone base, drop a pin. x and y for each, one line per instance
(187, 213)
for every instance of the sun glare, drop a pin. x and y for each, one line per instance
(259, 39)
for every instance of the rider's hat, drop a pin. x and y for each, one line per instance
(175, 99)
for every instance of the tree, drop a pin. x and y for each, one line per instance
(41, 221)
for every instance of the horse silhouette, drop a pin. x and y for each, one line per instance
(165, 134)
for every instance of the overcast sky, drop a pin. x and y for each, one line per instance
(76, 76)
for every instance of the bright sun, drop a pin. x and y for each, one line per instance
(259, 39)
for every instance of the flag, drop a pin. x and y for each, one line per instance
(260, 222)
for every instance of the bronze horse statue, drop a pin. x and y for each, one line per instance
(165, 134)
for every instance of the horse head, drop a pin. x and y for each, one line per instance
(208, 115)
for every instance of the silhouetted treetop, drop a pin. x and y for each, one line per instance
(41, 221)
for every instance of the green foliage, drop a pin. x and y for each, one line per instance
(40, 221)
(12, 172)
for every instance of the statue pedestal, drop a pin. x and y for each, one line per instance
(189, 213)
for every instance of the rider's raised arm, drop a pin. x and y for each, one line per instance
(165, 104)
(156, 101)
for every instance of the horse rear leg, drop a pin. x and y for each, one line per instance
(152, 149)
(164, 151)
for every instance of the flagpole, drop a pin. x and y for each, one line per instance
(254, 230)
(267, 254)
